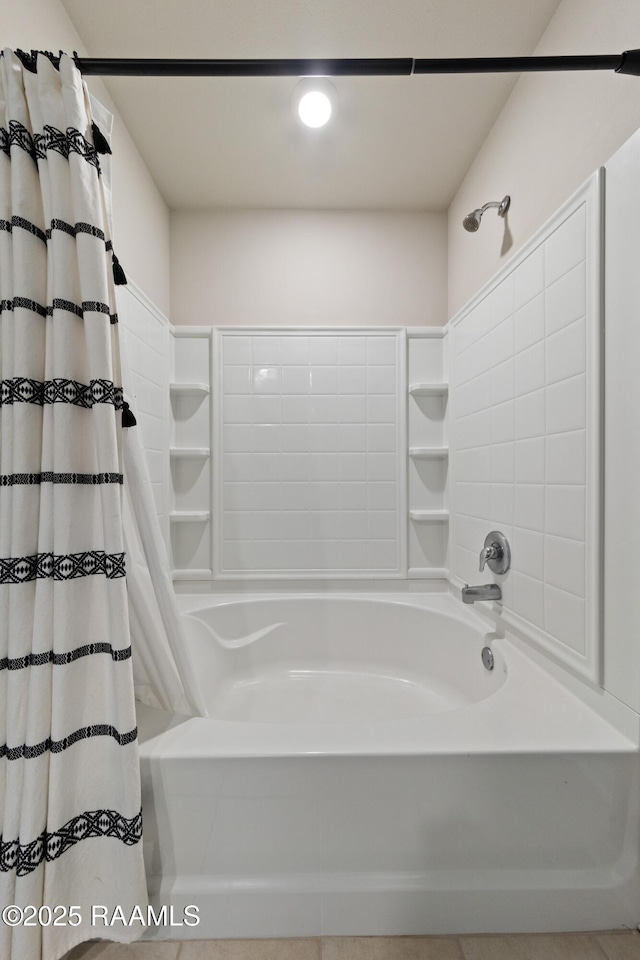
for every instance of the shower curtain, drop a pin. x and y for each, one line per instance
(162, 674)
(70, 809)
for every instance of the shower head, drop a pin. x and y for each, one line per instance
(472, 220)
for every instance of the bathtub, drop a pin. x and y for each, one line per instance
(362, 773)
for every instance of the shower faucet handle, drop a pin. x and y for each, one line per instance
(496, 553)
(492, 552)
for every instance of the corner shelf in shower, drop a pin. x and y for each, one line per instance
(427, 456)
(427, 573)
(190, 516)
(189, 389)
(428, 453)
(192, 574)
(189, 452)
(428, 389)
(429, 516)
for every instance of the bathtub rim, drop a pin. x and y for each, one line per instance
(539, 709)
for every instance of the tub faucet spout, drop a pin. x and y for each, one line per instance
(487, 591)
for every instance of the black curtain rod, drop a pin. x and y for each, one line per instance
(627, 63)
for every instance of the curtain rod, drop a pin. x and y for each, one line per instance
(627, 62)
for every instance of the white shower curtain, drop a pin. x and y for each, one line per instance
(70, 809)
(163, 676)
(162, 673)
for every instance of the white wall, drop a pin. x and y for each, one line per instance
(554, 131)
(282, 267)
(141, 217)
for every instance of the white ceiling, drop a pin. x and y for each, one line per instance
(402, 142)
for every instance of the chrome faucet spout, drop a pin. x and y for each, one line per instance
(487, 591)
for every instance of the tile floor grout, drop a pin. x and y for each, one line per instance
(594, 945)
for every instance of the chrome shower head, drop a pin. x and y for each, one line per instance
(472, 220)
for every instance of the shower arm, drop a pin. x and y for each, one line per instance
(492, 203)
(626, 63)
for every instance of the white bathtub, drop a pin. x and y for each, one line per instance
(362, 774)
(308, 660)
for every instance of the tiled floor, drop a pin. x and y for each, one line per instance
(569, 946)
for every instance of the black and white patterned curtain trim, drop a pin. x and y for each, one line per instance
(48, 476)
(26, 857)
(60, 390)
(87, 306)
(63, 659)
(30, 752)
(68, 566)
(37, 145)
(71, 229)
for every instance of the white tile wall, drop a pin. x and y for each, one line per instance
(146, 347)
(310, 468)
(525, 457)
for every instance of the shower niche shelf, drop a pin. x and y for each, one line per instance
(191, 574)
(189, 389)
(428, 389)
(190, 516)
(428, 455)
(190, 454)
(429, 516)
(193, 453)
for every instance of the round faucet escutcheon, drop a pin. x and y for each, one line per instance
(496, 553)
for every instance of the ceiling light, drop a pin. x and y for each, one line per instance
(314, 108)
(314, 101)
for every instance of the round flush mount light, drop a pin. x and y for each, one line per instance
(314, 101)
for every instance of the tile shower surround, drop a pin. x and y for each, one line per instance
(522, 428)
(309, 471)
(525, 437)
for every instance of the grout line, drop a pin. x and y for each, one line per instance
(322, 941)
(594, 939)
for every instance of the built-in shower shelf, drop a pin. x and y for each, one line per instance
(189, 389)
(428, 453)
(428, 389)
(195, 574)
(429, 516)
(427, 573)
(190, 516)
(189, 452)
